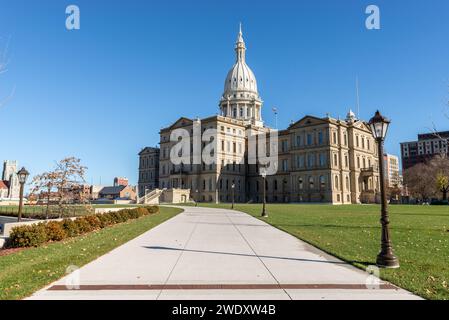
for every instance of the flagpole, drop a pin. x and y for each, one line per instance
(275, 110)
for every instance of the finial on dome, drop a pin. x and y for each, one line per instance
(240, 36)
(240, 45)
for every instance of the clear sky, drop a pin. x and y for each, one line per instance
(102, 93)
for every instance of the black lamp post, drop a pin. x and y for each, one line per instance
(23, 176)
(385, 259)
(263, 173)
(196, 201)
(232, 190)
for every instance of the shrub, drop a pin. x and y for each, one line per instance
(55, 231)
(83, 225)
(105, 220)
(70, 227)
(152, 209)
(28, 236)
(94, 222)
(37, 234)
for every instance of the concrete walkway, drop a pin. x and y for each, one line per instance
(221, 254)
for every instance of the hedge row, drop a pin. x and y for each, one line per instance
(37, 234)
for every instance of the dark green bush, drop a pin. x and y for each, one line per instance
(37, 234)
(94, 222)
(28, 236)
(55, 231)
(83, 225)
(152, 209)
(105, 220)
(70, 227)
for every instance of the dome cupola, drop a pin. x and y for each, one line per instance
(240, 98)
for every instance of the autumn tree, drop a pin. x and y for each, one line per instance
(66, 182)
(44, 184)
(439, 166)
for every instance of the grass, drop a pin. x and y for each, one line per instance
(419, 234)
(25, 272)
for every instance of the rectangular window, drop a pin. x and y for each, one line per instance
(298, 140)
(309, 139)
(285, 165)
(322, 159)
(320, 138)
(284, 145)
(311, 161)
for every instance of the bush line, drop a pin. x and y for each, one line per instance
(37, 234)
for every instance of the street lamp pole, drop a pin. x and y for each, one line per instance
(386, 258)
(263, 173)
(232, 190)
(196, 200)
(23, 175)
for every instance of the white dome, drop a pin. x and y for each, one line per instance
(240, 79)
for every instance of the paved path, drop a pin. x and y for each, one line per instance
(208, 253)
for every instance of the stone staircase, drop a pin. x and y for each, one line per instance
(151, 197)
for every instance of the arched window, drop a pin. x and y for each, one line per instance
(347, 183)
(300, 184)
(311, 183)
(335, 159)
(336, 183)
(322, 182)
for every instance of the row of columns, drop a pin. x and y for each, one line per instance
(254, 111)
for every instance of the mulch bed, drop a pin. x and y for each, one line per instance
(5, 252)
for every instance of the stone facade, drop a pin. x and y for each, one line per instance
(148, 170)
(320, 160)
(10, 187)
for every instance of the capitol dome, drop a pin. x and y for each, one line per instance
(240, 99)
(240, 79)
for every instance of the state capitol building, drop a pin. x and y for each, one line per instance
(319, 159)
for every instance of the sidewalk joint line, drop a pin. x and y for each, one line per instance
(258, 257)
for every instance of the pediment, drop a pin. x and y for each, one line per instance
(362, 125)
(307, 121)
(181, 122)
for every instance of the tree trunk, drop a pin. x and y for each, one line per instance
(48, 204)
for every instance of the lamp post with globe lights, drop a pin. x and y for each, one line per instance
(233, 190)
(23, 176)
(385, 259)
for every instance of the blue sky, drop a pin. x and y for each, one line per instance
(103, 92)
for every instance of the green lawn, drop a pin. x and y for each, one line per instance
(352, 232)
(24, 272)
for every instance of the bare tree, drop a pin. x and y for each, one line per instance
(67, 183)
(420, 181)
(44, 184)
(70, 179)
